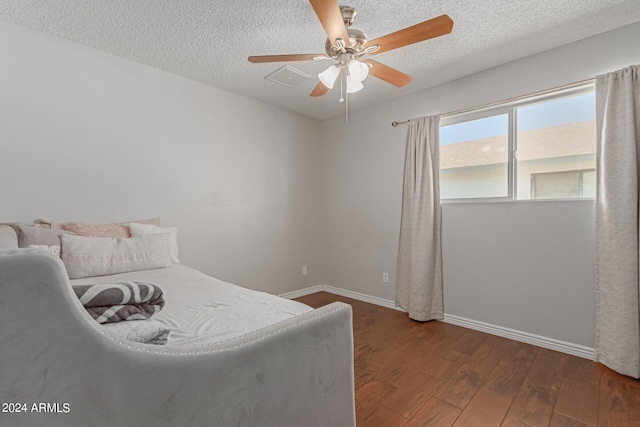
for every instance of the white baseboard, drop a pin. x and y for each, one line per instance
(342, 292)
(361, 297)
(525, 337)
(302, 292)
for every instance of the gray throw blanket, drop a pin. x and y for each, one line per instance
(120, 301)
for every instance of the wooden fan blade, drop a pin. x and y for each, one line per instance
(417, 33)
(330, 17)
(388, 74)
(284, 58)
(319, 90)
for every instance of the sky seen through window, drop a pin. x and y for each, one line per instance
(545, 114)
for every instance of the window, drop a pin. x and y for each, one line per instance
(563, 185)
(542, 147)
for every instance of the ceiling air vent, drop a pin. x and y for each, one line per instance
(288, 76)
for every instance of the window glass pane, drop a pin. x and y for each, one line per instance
(556, 144)
(589, 184)
(563, 185)
(474, 158)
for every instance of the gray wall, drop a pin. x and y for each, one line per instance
(527, 266)
(89, 136)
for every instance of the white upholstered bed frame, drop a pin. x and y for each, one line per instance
(295, 373)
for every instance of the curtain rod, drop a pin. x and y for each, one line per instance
(510, 100)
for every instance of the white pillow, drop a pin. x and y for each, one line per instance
(100, 256)
(142, 229)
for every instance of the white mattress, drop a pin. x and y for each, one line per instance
(200, 309)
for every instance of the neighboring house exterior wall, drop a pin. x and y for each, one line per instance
(480, 165)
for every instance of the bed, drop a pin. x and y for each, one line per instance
(235, 357)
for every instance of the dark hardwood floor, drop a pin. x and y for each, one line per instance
(413, 374)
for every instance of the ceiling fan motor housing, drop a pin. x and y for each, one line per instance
(357, 41)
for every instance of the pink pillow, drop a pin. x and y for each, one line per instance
(105, 230)
(98, 230)
(42, 238)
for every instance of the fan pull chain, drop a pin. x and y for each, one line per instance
(344, 95)
(341, 87)
(346, 109)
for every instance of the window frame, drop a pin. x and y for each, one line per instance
(510, 108)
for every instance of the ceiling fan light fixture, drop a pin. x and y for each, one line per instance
(357, 70)
(328, 77)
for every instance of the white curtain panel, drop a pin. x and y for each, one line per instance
(419, 269)
(617, 229)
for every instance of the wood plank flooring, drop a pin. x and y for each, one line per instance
(414, 374)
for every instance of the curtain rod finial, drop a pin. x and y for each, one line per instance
(395, 123)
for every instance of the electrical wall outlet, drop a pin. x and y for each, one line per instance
(385, 277)
(304, 270)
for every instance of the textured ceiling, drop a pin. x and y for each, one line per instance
(209, 41)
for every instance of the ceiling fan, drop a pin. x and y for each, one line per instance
(347, 45)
